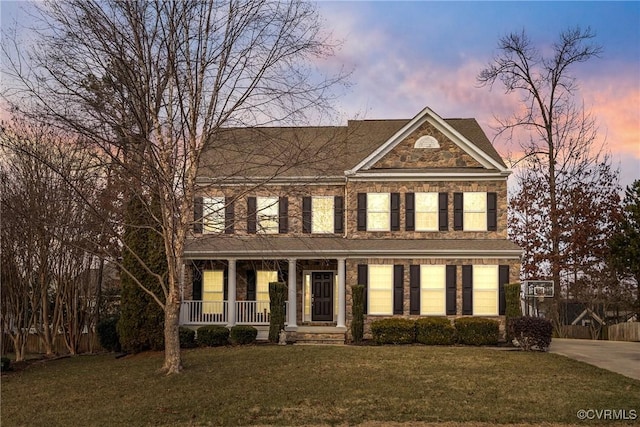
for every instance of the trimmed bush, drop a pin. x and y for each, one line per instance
(243, 334)
(394, 331)
(532, 333)
(357, 324)
(187, 337)
(477, 331)
(277, 299)
(108, 334)
(213, 335)
(5, 364)
(435, 331)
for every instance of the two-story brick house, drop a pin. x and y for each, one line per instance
(415, 210)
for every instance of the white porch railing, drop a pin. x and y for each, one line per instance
(216, 313)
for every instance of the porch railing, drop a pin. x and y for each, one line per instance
(216, 313)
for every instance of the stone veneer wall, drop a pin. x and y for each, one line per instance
(352, 279)
(404, 155)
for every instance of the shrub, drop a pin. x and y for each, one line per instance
(394, 331)
(213, 335)
(277, 297)
(477, 331)
(435, 331)
(108, 334)
(357, 324)
(5, 364)
(532, 333)
(187, 337)
(513, 306)
(243, 334)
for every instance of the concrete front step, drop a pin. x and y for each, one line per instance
(317, 335)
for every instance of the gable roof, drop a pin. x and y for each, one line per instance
(328, 151)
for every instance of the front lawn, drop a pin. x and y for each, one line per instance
(294, 385)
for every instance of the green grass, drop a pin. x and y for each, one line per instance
(296, 385)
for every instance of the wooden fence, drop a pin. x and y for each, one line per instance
(628, 331)
(89, 343)
(576, 332)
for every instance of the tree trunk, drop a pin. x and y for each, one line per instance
(172, 357)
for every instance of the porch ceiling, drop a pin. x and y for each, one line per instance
(269, 247)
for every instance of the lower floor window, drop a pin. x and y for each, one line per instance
(263, 278)
(380, 289)
(432, 290)
(485, 290)
(212, 291)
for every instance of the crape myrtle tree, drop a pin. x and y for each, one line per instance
(556, 135)
(151, 82)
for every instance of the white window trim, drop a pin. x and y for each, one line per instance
(465, 211)
(213, 215)
(390, 290)
(433, 212)
(314, 209)
(479, 288)
(265, 207)
(433, 278)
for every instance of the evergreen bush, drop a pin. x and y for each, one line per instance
(243, 334)
(213, 335)
(513, 306)
(532, 333)
(187, 337)
(435, 331)
(5, 364)
(394, 331)
(477, 331)
(277, 301)
(108, 334)
(357, 323)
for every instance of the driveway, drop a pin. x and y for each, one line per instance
(617, 356)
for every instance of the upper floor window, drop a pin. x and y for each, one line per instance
(267, 215)
(322, 214)
(426, 211)
(378, 211)
(475, 211)
(213, 214)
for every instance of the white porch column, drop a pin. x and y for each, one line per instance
(341, 293)
(293, 309)
(231, 293)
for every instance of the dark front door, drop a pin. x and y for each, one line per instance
(322, 296)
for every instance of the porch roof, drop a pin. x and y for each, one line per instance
(323, 247)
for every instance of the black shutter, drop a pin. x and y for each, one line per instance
(306, 214)
(197, 214)
(398, 289)
(363, 279)
(362, 211)
(467, 289)
(225, 285)
(251, 285)
(410, 211)
(395, 211)
(452, 284)
(503, 279)
(197, 284)
(492, 212)
(457, 211)
(229, 213)
(338, 214)
(252, 208)
(283, 215)
(443, 211)
(414, 289)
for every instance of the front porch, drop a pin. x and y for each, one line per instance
(235, 292)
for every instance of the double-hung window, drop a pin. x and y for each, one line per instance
(426, 211)
(378, 212)
(212, 292)
(263, 278)
(475, 211)
(380, 289)
(485, 290)
(432, 290)
(267, 215)
(322, 214)
(213, 214)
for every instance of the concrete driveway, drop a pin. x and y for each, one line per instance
(617, 356)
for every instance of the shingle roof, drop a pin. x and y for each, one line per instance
(311, 151)
(326, 247)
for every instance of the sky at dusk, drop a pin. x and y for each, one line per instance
(404, 56)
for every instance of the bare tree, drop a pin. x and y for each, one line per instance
(557, 136)
(152, 82)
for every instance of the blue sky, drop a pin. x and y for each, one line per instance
(408, 55)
